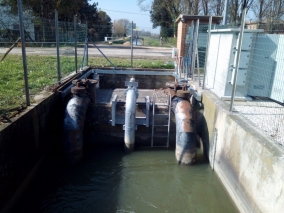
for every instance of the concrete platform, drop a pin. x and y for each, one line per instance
(104, 96)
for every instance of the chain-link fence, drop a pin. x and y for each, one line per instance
(50, 55)
(265, 81)
(250, 79)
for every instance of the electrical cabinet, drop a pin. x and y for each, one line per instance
(222, 59)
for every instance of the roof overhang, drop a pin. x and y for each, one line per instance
(184, 17)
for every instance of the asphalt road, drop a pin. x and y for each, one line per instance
(108, 50)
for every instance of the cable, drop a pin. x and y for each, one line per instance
(126, 12)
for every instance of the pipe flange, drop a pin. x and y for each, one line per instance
(78, 90)
(183, 94)
(92, 81)
(177, 86)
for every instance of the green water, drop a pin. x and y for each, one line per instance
(146, 181)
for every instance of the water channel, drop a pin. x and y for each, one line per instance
(109, 180)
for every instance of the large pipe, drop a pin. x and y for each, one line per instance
(130, 115)
(74, 120)
(186, 146)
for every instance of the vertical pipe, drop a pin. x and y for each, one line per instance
(57, 47)
(185, 131)
(147, 110)
(207, 50)
(73, 129)
(169, 119)
(214, 148)
(225, 13)
(24, 52)
(136, 35)
(75, 42)
(131, 43)
(198, 71)
(241, 34)
(195, 46)
(84, 54)
(153, 119)
(87, 49)
(130, 116)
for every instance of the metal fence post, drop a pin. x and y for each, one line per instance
(207, 51)
(238, 59)
(24, 52)
(195, 47)
(75, 42)
(131, 43)
(87, 40)
(57, 46)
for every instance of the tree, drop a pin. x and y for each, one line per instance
(165, 12)
(269, 11)
(217, 7)
(235, 10)
(45, 8)
(101, 27)
(120, 27)
(43, 11)
(260, 9)
(205, 7)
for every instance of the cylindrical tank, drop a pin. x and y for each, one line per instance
(74, 120)
(186, 146)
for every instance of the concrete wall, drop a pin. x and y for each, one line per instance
(248, 163)
(113, 81)
(24, 141)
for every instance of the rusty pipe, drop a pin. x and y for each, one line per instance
(186, 146)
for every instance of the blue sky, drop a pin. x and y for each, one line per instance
(127, 9)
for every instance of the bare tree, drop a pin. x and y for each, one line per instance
(217, 7)
(260, 9)
(120, 27)
(205, 7)
(277, 10)
(235, 10)
(144, 6)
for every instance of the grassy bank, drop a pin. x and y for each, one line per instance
(42, 73)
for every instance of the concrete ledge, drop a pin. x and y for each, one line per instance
(248, 163)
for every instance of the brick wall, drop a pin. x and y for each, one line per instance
(182, 31)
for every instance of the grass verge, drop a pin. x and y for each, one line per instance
(42, 73)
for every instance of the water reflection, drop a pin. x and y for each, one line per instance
(108, 180)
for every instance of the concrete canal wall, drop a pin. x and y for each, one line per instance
(23, 143)
(248, 163)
